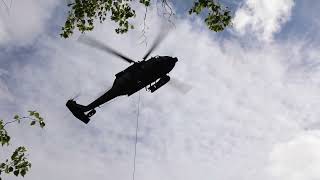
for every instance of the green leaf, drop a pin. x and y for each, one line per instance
(33, 123)
(16, 117)
(23, 172)
(31, 113)
(1, 124)
(4, 138)
(16, 172)
(37, 115)
(2, 165)
(42, 124)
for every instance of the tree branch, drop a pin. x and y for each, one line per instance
(168, 11)
(25, 117)
(143, 35)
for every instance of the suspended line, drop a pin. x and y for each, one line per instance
(136, 140)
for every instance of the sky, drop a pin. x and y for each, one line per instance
(252, 112)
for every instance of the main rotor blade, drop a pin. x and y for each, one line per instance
(156, 43)
(99, 45)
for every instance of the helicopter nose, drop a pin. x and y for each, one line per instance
(175, 59)
(172, 63)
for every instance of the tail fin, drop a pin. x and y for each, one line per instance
(79, 111)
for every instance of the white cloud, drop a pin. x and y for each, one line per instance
(298, 159)
(263, 18)
(5, 94)
(24, 21)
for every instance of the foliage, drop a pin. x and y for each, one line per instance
(83, 13)
(18, 163)
(218, 18)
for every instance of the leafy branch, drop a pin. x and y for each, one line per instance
(218, 17)
(18, 163)
(33, 116)
(83, 13)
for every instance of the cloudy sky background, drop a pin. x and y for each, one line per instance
(252, 112)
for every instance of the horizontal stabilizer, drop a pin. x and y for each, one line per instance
(78, 111)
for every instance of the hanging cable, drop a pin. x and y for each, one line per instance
(136, 140)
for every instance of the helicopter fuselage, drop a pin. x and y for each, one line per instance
(137, 76)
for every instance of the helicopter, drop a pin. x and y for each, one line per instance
(150, 74)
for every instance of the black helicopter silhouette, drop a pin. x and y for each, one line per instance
(150, 74)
